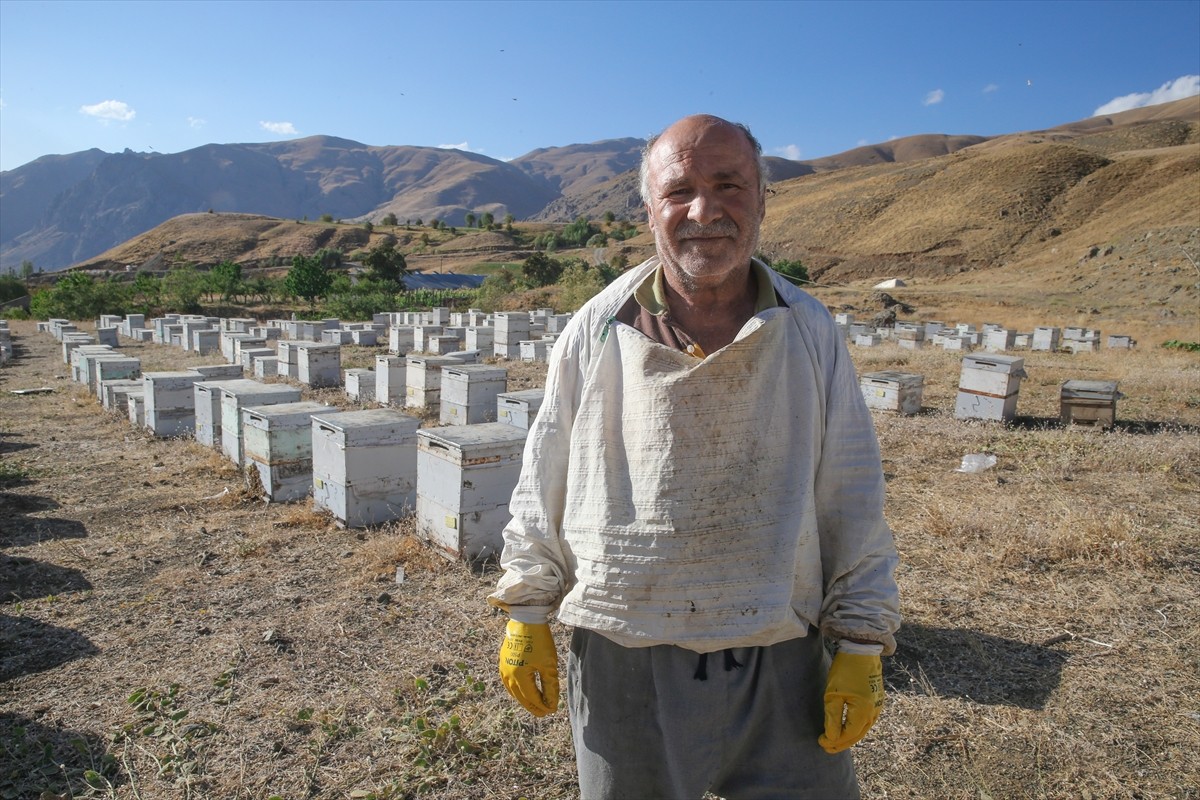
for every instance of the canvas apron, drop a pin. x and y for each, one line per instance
(689, 493)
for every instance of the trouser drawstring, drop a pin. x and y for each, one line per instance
(731, 663)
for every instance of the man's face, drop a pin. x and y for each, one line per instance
(705, 203)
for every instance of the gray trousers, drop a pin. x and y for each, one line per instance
(646, 727)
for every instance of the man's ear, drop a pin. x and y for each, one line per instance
(649, 215)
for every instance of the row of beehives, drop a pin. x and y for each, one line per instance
(993, 338)
(987, 389)
(512, 335)
(365, 467)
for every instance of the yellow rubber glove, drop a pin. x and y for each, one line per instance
(854, 692)
(528, 653)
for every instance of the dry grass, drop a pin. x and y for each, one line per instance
(1049, 649)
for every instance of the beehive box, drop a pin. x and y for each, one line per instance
(367, 337)
(218, 372)
(360, 384)
(519, 408)
(533, 350)
(867, 340)
(248, 355)
(136, 402)
(893, 391)
(365, 465)
(956, 341)
(277, 441)
(424, 379)
(1118, 341)
(400, 339)
(988, 387)
(479, 338)
(512, 327)
(997, 340)
(207, 402)
(319, 364)
(288, 353)
(84, 357)
(107, 368)
(469, 393)
(266, 367)
(466, 476)
(170, 402)
(389, 380)
(443, 343)
(246, 394)
(422, 334)
(1089, 403)
(113, 393)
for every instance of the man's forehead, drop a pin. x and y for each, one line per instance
(719, 153)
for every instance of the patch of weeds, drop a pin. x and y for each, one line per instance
(442, 746)
(45, 764)
(1187, 347)
(10, 473)
(162, 733)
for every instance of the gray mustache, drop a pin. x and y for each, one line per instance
(721, 227)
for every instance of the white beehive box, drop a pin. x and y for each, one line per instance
(367, 337)
(365, 465)
(170, 402)
(83, 359)
(867, 340)
(997, 340)
(266, 367)
(207, 402)
(400, 339)
(360, 384)
(466, 476)
(288, 353)
(1118, 341)
(107, 369)
(247, 394)
(533, 350)
(424, 379)
(469, 393)
(205, 342)
(336, 336)
(960, 342)
(319, 364)
(136, 401)
(389, 380)
(988, 387)
(443, 343)
(217, 372)
(479, 338)
(113, 393)
(519, 408)
(277, 441)
(248, 355)
(512, 327)
(422, 334)
(893, 391)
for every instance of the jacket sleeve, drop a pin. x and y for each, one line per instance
(858, 551)
(536, 568)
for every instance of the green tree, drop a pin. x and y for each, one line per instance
(326, 218)
(389, 219)
(579, 284)
(496, 287)
(145, 293)
(599, 240)
(11, 288)
(509, 219)
(609, 217)
(470, 220)
(368, 226)
(487, 220)
(330, 257)
(26, 270)
(793, 270)
(541, 270)
(182, 287)
(308, 278)
(579, 231)
(387, 265)
(225, 279)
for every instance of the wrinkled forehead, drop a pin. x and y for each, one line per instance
(709, 151)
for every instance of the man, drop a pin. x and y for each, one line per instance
(702, 478)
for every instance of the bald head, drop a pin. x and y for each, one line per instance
(692, 130)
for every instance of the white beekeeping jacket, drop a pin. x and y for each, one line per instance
(729, 501)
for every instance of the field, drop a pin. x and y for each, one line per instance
(166, 634)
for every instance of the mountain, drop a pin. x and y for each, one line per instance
(921, 201)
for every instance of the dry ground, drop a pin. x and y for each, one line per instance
(163, 634)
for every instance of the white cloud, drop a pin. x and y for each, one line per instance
(933, 98)
(464, 146)
(1186, 86)
(791, 152)
(991, 87)
(279, 128)
(109, 110)
(863, 143)
(196, 122)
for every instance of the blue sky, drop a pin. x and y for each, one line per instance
(503, 78)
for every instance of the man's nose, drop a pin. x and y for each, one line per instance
(705, 208)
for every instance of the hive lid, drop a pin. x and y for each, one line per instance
(1092, 390)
